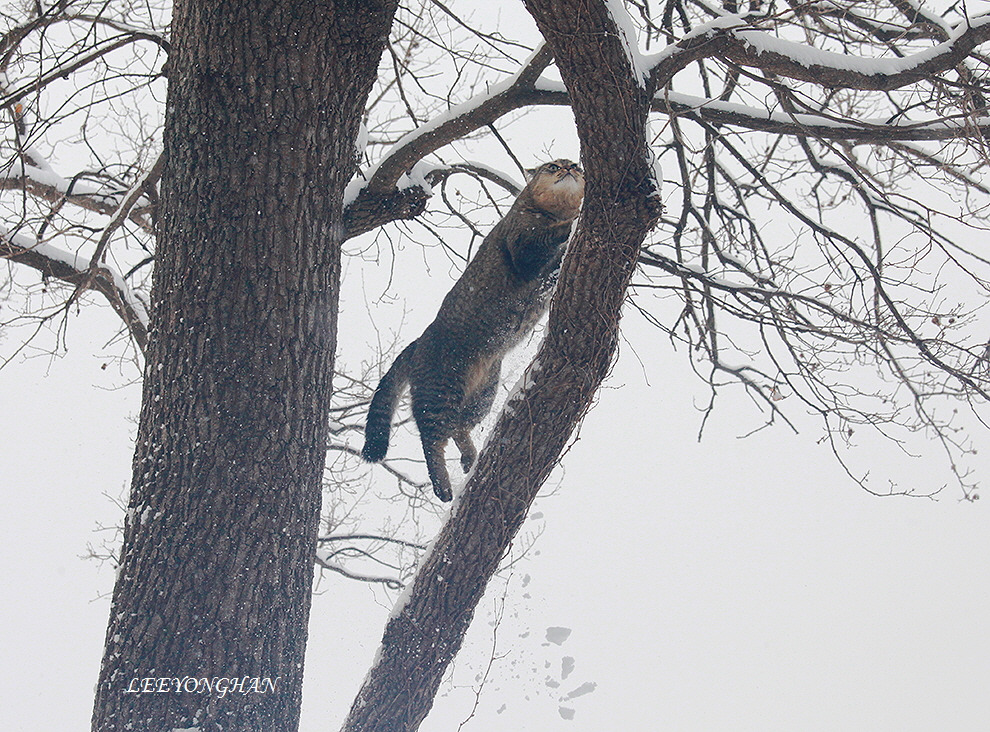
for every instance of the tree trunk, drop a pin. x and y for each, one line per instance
(265, 100)
(620, 207)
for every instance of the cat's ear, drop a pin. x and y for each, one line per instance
(530, 173)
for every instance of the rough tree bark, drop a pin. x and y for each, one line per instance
(610, 109)
(265, 100)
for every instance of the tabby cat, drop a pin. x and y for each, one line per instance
(453, 367)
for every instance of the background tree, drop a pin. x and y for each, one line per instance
(782, 130)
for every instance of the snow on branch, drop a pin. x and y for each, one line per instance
(460, 120)
(44, 183)
(72, 269)
(734, 39)
(398, 186)
(627, 35)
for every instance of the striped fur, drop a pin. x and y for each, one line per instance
(453, 368)
(383, 404)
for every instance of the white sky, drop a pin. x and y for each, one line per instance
(727, 585)
(731, 585)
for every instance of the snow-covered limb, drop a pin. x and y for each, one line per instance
(365, 210)
(74, 270)
(695, 45)
(46, 184)
(733, 39)
(34, 173)
(719, 112)
(627, 34)
(481, 170)
(479, 111)
(917, 14)
(398, 186)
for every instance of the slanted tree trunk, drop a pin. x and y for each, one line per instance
(620, 207)
(265, 100)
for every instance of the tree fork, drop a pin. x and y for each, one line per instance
(619, 209)
(264, 105)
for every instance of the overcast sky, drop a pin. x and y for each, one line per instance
(731, 584)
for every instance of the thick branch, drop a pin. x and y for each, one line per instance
(461, 120)
(619, 209)
(733, 39)
(376, 198)
(370, 210)
(792, 60)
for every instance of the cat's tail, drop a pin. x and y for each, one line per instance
(383, 405)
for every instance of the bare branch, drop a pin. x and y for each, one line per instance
(101, 279)
(823, 127)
